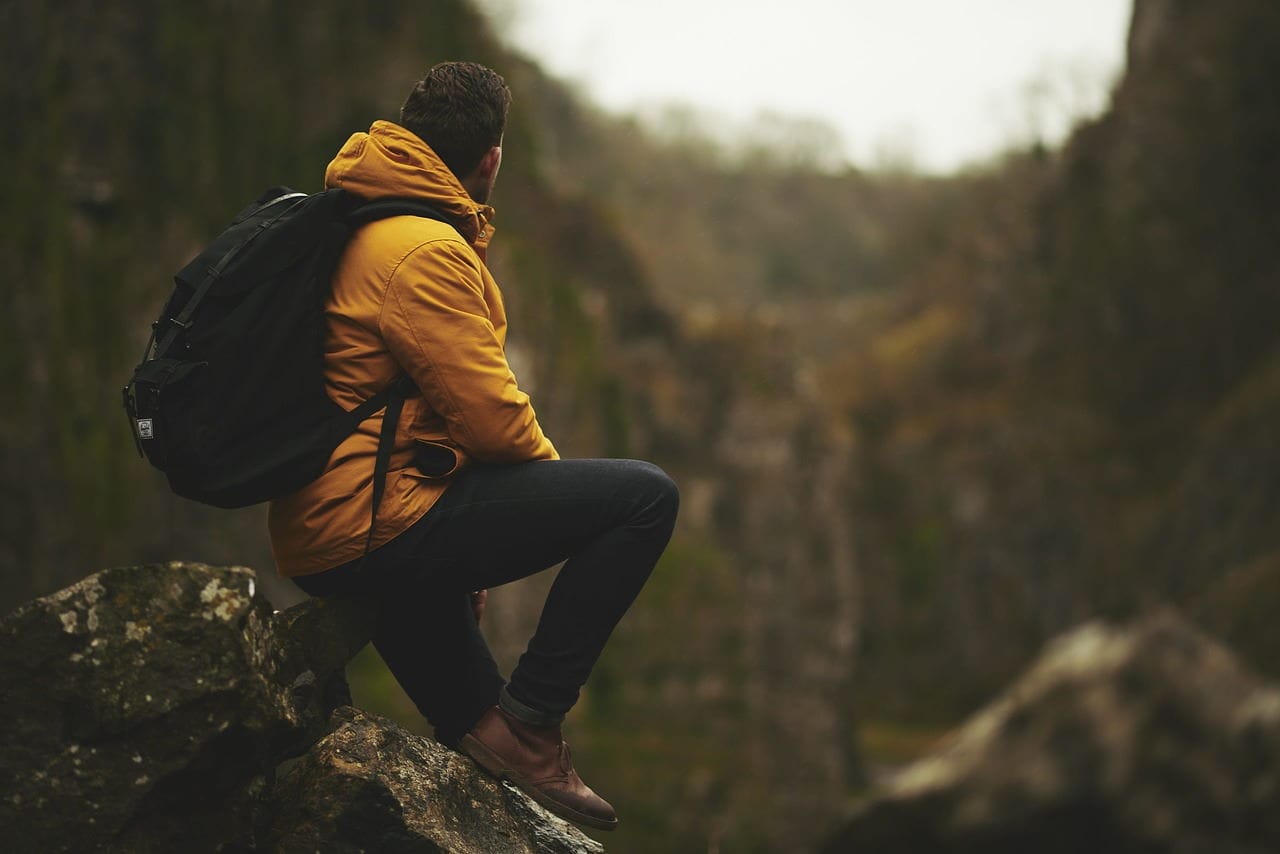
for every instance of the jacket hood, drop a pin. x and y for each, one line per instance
(391, 161)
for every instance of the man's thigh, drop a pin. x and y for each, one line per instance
(498, 523)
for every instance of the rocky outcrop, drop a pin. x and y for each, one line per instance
(371, 786)
(148, 709)
(1150, 738)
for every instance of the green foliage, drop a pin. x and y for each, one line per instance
(662, 729)
(919, 555)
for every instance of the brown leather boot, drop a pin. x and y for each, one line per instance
(536, 759)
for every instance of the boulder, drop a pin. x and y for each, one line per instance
(140, 710)
(147, 709)
(371, 786)
(1146, 738)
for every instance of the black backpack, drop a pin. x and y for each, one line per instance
(229, 400)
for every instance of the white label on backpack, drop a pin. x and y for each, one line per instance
(144, 428)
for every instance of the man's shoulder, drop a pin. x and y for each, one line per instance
(400, 235)
(386, 244)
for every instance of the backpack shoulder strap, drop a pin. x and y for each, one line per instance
(393, 398)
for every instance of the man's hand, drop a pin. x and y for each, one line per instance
(478, 600)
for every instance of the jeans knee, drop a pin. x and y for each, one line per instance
(661, 492)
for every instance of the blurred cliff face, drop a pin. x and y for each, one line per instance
(1053, 391)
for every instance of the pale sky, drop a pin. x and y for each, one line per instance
(940, 83)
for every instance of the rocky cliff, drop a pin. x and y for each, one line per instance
(167, 708)
(1146, 738)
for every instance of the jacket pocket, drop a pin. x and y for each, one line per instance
(437, 460)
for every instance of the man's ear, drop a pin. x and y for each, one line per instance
(479, 183)
(487, 170)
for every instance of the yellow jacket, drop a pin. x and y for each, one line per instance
(413, 295)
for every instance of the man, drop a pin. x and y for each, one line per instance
(476, 495)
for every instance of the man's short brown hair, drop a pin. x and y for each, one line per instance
(460, 110)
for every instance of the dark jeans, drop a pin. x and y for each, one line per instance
(608, 519)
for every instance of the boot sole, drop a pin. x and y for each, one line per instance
(493, 764)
